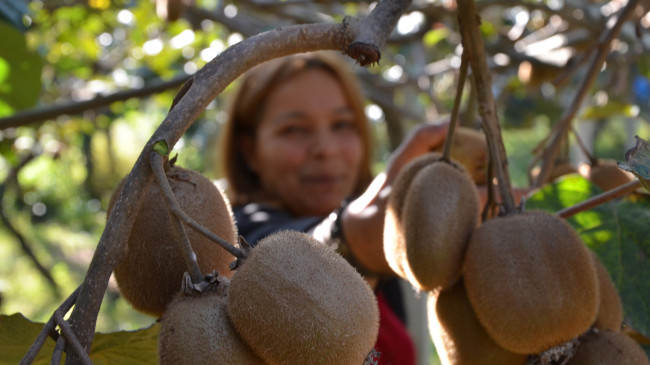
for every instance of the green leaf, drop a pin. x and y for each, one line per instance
(20, 70)
(617, 232)
(612, 108)
(432, 37)
(638, 162)
(17, 334)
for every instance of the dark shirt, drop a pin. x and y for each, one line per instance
(255, 221)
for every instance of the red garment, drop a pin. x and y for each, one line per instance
(394, 342)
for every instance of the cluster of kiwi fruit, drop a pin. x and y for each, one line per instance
(509, 290)
(290, 300)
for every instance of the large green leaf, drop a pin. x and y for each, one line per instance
(125, 347)
(20, 70)
(618, 232)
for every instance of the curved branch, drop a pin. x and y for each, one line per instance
(209, 82)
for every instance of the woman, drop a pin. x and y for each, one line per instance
(296, 150)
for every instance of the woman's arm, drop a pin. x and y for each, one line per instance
(363, 218)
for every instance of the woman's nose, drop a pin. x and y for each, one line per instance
(324, 144)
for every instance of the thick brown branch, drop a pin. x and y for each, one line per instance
(561, 129)
(600, 199)
(473, 47)
(371, 32)
(40, 115)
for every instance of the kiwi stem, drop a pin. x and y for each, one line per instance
(157, 161)
(69, 336)
(446, 151)
(156, 165)
(600, 199)
(48, 329)
(473, 47)
(592, 160)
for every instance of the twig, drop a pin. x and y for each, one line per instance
(185, 246)
(71, 339)
(48, 328)
(592, 159)
(464, 65)
(562, 127)
(600, 199)
(472, 41)
(161, 179)
(40, 115)
(57, 354)
(24, 245)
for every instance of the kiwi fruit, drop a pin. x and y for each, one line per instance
(610, 310)
(531, 281)
(440, 212)
(195, 329)
(394, 245)
(457, 334)
(152, 270)
(469, 148)
(608, 348)
(606, 174)
(294, 300)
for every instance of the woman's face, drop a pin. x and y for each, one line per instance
(307, 150)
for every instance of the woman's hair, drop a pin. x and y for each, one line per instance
(247, 107)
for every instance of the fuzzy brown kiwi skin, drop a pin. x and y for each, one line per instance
(458, 335)
(196, 330)
(531, 281)
(608, 348)
(152, 270)
(607, 175)
(469, 149)
(440, 213)
(296, 301)
(394, 238)
(610, 310)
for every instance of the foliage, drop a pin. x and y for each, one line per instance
(617, 232)
(125, 347)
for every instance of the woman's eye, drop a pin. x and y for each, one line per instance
(345, 125)
(293, 130)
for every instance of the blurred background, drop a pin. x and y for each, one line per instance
(83, 85)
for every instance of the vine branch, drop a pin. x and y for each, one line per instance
(469, 20)
(600, 199)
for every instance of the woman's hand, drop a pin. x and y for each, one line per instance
(423, 139)
(363, 220)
